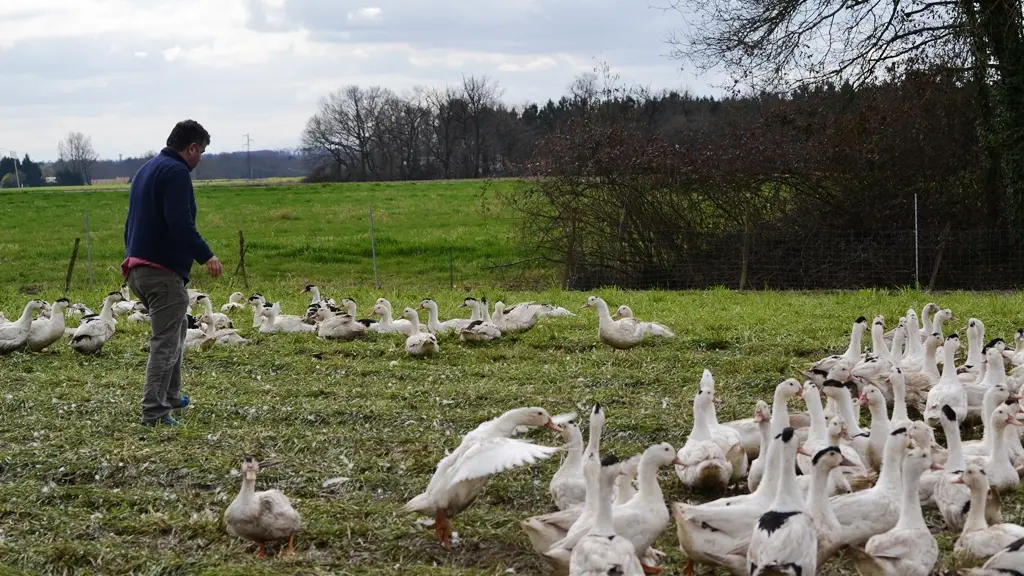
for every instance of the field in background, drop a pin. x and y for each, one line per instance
(305, 232)
(84, 488)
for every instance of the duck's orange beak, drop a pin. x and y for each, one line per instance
(551, 424)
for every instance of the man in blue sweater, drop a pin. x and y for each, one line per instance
(161, 242)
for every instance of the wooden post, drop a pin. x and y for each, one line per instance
(88, 247)
(745, 253)
(71, 267)
(240, 269)
(938, 257)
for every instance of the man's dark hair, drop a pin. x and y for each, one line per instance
(186, 133)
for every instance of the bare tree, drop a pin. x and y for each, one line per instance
(77, 154)
(481, 97)
(446, 106)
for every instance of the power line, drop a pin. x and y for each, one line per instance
(248, 153)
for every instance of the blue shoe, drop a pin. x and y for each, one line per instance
(165, 421)
(182, 403)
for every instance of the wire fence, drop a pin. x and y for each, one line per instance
(795, 260)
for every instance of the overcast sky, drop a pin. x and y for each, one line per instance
(124, 71)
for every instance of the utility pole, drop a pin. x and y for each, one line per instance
(248, 155)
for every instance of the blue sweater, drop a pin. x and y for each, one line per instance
(161, 224)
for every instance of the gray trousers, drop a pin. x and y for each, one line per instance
(164, 295)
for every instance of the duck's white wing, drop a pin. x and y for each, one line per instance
(602, 555)
(495, 455)
(795, 542)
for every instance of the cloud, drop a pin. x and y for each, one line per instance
(124, 71)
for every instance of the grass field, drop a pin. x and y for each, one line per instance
(84, 489)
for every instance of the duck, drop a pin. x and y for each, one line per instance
(388, 324)
(198, 338)
(95, 331)
(435, 326)
(341, 326)
(843, 395)
(979, 539)
(908, 548)
(419, 344)
(994, 376)
(702, 464)
(140, 314)
(726, 436)
(349, 304)
(953, 498)
(875, 510)
(1006, 562)
(875, 401)
(263, 516)
(640, 520)
(274, 321)
(44, 332)
(784, 539)
(126, 305)
(257, 301)
(654, 328)
(603, 551)
(823, 464)
(1002, 476)
(236, 301)
(968, 372)
(621, 334)
(14, 335)
(523, 316)
(997, 394)
(818, 439)
(762, 416)
(852, 354)
(224, 336)
(461, 476)
(949, 390)
(219, 319)
(568, 487)
(316, 299)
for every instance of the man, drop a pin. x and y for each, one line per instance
(161, 242)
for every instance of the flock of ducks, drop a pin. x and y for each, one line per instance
(818, 483)
(323, 317)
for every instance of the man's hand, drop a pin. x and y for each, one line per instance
(214, 267)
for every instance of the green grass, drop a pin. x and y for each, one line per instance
(85, 490)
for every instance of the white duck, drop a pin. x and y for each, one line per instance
(702, 462)
(762, 416)
(274, 321)
(908, 549)
(126, 305)
(875, 401)
(968, 372)
(95, 331)
(949, 390)
(262, 516)
(603, 551)
(877, 509)
(620, 334)
(818, 439)
(236, 301)
(523, 316)
(953, 498)
(435, 326)
(823, 464)
(46, 332)
(784, 540)
(640, 520)
(389, 325)
(219, 319)
(337, 326)
(568, 488)
(852, 354)
(487, 450)
(14, 335)
(979, 539)
(654, 328)
(224, 336)
(1006, 562)
(350, 305)
(727, 437)
(419, 344)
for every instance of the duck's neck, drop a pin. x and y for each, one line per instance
(573, 450)
(486, 311)
(604, 524)
(879, 420)
(594, 442)
(780, 412)
(351, 307)
(432, 320)
(988, 407)
(414, 323)
(927, 325)
(898, 339)
(954, 447)
(25, 320)
(899, 400)
(889, 479)
(57, 317)
(106, 313)
(248, 491)
(948, 369)
(974, 344)
(819, 428)
(846, 409)
(765, 428)
(929, 366)
(853, 351)
(911, 516)
(913, 336)
(604, 317)
(817, 498)
(700, 430)
(315, 293)
(999, 457)
(878, 341)
(208, 306)
(385, 317)
(976, 514)
(475, 314)
(647, 481)
(787, 496)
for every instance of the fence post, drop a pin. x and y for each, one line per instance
(745, 253)
(938, 257)
(88, 246)
(451, 268)
(373, 251)
(917, 265)
(71, 267)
